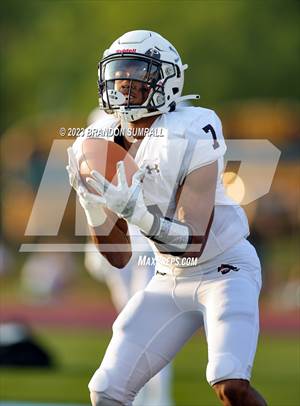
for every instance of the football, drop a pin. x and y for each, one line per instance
(102, 155)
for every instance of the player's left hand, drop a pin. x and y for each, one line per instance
(126, 201)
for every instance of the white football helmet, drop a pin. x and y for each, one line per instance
(140, 75)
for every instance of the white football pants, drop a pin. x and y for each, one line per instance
(156, 323)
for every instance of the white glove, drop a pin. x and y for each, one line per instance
(126, 201)
(73, 170)
(93, 210)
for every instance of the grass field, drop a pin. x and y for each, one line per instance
(78, 353)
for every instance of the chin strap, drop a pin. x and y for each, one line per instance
(153, 113)
(126, 117)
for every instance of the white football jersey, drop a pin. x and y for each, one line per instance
(178, 143)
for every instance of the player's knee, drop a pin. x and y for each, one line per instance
(109, 389)
(233, 391)
(221, 367)
(101, 399)
(101, 392)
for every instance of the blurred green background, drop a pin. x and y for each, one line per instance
(236, 50)
(243, 59)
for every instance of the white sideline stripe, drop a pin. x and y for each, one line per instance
(52, 248)
(13, 403)
(77, 248)
(40, 247)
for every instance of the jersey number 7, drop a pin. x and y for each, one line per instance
(209, 128)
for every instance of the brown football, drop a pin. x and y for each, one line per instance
(102, 155)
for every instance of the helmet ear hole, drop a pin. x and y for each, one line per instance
(175, 90)
(158, 98)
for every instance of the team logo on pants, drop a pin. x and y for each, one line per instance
(225, 268)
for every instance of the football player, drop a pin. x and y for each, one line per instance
(206, 270)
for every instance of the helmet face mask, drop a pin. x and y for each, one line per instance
(129, 74)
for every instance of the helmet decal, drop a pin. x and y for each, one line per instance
(127, 50)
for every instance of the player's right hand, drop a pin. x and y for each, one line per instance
(73, 170)
(93, 210)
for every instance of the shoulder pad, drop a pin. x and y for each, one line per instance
(179, 121)
(205, 141)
